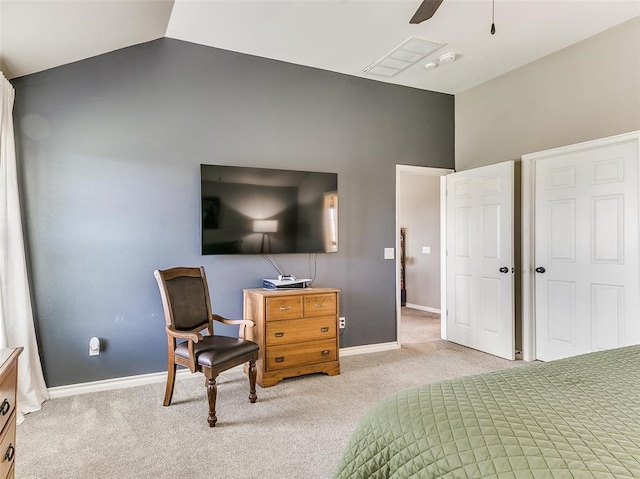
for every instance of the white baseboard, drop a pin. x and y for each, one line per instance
(369, 348)
(161, 377)
(115, 383)
(428, 309)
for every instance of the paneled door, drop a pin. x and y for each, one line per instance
(480, 279)
(586, 250)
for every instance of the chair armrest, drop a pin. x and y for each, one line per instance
(243, 323)
(191, 337)
(240, 322)
(194, 336)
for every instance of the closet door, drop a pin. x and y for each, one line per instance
(480, 287)
(586, 263)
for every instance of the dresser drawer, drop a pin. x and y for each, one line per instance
(293, 355)
(319, 304)
(7, 397)
(8, 447)
(297, 330)
(287, 307)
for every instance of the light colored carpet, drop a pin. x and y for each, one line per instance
(296, 429)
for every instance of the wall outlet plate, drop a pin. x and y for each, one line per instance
(94, 346)
(389, 253)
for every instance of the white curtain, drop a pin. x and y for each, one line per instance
(16, 314)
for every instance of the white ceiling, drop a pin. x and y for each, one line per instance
(338, 35)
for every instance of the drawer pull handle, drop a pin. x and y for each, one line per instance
(11, 451)
(4, 408)
(325, 352)
(279, 359)
(278, 335)
(320, 305)
(285, 308)
(325, 329)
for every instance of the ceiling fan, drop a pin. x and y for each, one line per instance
(428, 8)
(425, 11)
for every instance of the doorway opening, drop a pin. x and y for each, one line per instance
(420, 283)
(418, 327)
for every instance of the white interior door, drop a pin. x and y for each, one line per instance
(586, 250)
(480, 279)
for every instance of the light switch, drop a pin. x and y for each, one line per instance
(388, 253)
(426, 249)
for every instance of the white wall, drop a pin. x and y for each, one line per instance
(420, 215)
(586, 91)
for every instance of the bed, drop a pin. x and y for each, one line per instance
(572, 418)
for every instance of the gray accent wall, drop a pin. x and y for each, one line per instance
(109, 150)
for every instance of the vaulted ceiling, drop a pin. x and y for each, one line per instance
(344, 36)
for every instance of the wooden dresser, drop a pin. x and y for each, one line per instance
(297, 331)
(8, 387)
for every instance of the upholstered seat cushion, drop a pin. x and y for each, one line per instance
(216, 350)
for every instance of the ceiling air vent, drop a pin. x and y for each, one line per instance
(408, 53)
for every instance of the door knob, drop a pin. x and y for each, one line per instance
(540, 269)
(504, 269)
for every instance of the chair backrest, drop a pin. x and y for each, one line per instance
(185, 298)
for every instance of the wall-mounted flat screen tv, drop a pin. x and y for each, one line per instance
(267, 211)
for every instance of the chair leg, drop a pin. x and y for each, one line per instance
(171, 380)
(252, 381)
(212, 391)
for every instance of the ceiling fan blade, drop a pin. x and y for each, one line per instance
(425, 11)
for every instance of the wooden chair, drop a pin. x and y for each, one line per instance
(187, 312)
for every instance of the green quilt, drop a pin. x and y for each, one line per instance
(573, 418)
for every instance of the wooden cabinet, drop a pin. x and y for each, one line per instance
(297, 331)
(8, 387)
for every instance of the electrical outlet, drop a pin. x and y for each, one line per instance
(343, 322)
(94, 346)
